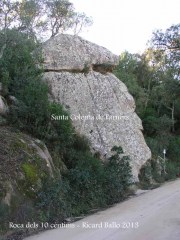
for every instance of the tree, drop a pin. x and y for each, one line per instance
(31, 17)
(38, 18)
(126, 71)
(168, 40)
(167, 44)
(8, 17)
(79, 21)
(154, 81)
(8, 14)
(62, 16)
(59, 15)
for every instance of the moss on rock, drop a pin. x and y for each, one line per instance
(24, 167)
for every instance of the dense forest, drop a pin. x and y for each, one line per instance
(82, 182)
(153, 78)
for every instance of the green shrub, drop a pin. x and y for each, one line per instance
(4, 216)
(52, 201)
(86, 178)
(81, 143)
(172, 169)
(17, 65)
(157, 144)
(118, 176)
(92, 184)
(174, 149)
(158, 170)
(59, 133)
(22, 78)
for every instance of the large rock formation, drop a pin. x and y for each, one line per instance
(79, 75)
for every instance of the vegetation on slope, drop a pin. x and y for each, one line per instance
(81, 181)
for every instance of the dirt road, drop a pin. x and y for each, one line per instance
(154, 215)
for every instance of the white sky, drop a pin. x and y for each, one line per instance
(121, 25)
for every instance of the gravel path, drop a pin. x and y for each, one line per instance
(152, 215)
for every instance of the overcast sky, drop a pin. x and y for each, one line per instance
(127, 24)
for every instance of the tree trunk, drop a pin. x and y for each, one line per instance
(172, 117)
(2, 50)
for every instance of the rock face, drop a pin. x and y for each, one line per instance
(79, 77)
(67, 52)
(24, 162)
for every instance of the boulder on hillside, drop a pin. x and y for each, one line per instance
(25, 164)
(99, 104)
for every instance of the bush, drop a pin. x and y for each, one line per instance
(59, 132)
(157, 144)
(118, 176)
(17, 65)
(52, 201)
(94, 184)
(86, 179)
(4, 216)
(22, 78)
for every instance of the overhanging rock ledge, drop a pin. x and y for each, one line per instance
(79, 76)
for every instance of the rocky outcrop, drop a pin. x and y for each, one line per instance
(79, 77)
(24, 163)
(67, 53)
